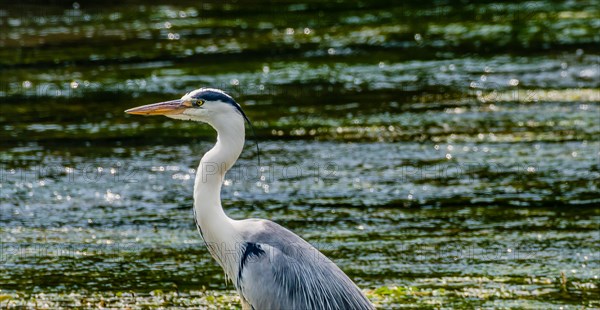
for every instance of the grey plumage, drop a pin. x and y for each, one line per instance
(285, 272)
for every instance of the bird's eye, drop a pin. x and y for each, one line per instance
(198, 102)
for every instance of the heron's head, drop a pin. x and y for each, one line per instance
(204, 105)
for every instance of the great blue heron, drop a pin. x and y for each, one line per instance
(271, 267)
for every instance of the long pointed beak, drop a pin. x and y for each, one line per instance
(161, 108)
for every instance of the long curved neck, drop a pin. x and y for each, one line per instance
(211, 173)
(216, 227)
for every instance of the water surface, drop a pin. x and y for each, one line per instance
(442, 156)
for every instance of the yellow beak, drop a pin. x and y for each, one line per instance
(161, 108)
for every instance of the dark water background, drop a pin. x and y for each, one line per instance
(443, 155)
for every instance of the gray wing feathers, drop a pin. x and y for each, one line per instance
(292, 274)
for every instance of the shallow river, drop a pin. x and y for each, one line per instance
(442, 156)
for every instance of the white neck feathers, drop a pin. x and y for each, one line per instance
(216, 227)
